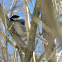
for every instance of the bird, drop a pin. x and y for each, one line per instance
(19, 25)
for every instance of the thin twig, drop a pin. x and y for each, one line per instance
(41, 57)
(53, 52)
(41, 38)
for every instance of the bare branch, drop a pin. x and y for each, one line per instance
(44, 40)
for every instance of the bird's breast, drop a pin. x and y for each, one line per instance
(19, 30)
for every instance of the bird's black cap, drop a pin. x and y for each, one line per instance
(15, 16)
(22, 21)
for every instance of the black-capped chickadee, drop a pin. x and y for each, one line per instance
(19, 25)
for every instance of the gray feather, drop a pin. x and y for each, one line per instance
(20, 29)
